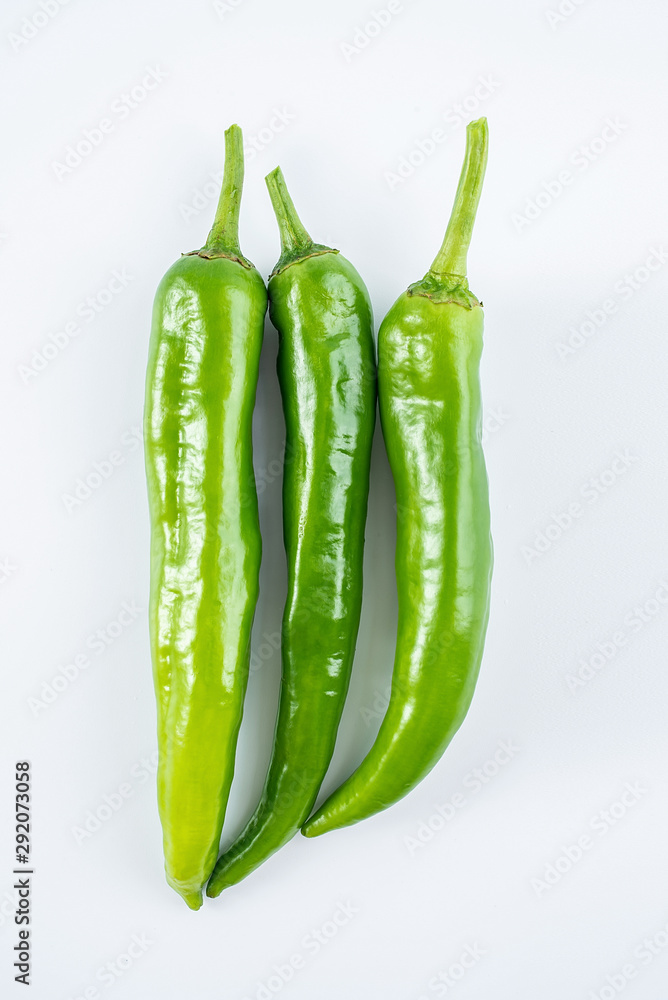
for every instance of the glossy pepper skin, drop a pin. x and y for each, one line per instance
(206, 336)
(429, 348)
(327, 376)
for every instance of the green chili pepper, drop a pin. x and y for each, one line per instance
(206, 336)
(429, 348)
(327, 375)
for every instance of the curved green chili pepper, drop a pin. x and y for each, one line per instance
(206, 336)
(327, 375)
(429, 349)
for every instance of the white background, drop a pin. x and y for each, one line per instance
(556, 422)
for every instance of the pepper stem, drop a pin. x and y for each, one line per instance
(451, 258)
(223, 240)
(295, 241)
(293, 234)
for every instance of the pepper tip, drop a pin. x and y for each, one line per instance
(313, 827)
(192, 899)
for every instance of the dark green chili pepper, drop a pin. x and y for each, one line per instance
(429, 347)
(327, 375)
(208, 321)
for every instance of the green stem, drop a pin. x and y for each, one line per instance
(451, 258)
(294, 237)
(223, 240)
(296, 244)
